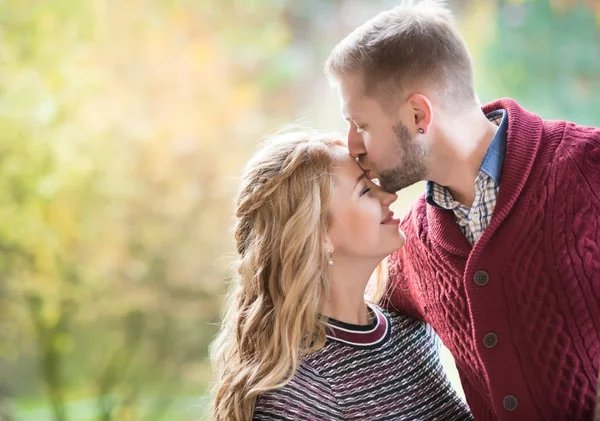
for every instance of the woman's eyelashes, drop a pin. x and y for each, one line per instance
(364, 191)
(369, 186)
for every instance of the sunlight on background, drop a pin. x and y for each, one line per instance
(125, 125)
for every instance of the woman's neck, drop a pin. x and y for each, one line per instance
(346, 301)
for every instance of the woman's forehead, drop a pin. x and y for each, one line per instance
(346, 165)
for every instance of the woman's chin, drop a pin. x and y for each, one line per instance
(399, 242)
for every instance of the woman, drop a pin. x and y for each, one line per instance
(299, 342)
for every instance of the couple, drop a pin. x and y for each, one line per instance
(501, 260)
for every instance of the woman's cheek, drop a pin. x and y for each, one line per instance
(363, 229)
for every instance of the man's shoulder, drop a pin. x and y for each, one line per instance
(577, 140)
(578, 158)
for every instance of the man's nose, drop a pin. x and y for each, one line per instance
(356, 145)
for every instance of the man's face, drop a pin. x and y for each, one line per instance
(379, 140)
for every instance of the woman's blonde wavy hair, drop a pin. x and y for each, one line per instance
(273, 313)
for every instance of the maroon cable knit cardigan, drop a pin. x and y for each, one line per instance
(520, 310)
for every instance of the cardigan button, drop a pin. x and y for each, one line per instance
(510, 402)
(481, 278)
(490, 340)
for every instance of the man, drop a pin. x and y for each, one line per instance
(598, 400)
(503, 249)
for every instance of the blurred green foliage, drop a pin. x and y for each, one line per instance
(123, 128)
(547, 54)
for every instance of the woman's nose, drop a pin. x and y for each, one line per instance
(388, 198)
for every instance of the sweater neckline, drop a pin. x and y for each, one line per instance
(369, 335)
(523, 140)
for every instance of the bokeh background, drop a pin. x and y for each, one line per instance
(124, 126)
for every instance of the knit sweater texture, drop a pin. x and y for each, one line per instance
(520, 309)
(390, 370)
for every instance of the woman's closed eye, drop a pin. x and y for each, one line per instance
(364, 191)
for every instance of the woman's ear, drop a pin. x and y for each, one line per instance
(328, 244)
(329, 248)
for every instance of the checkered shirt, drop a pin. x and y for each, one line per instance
(472, 221)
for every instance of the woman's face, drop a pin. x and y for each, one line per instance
(361, 222)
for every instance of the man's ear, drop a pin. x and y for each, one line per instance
(422, 113)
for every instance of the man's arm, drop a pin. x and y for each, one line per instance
(598, 398)
(584, 157)
(402, 281)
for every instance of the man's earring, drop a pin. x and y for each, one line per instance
(330, 258)
(421, 131)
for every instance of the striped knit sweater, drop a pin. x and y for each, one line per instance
(388, 370)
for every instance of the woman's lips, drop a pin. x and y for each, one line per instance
(390, 219)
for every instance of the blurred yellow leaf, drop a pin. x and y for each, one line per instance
(63, 343)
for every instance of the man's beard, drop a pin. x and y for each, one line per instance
(413, 167)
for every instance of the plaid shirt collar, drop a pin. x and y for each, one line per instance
(493, 159)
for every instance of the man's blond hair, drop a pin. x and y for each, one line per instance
(410, 47)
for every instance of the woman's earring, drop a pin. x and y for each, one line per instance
(330, 258)
(421, 131)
